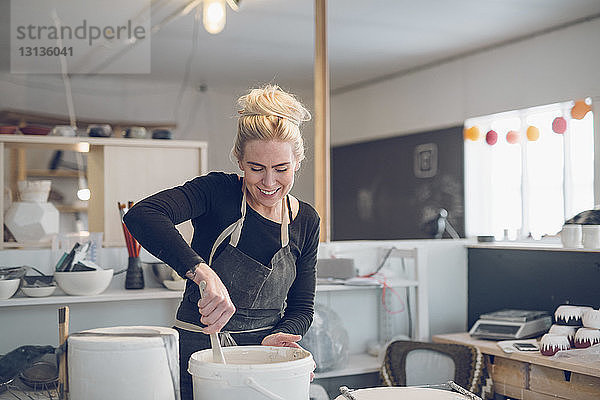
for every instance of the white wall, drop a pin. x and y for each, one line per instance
(208, 115)
(557, 66)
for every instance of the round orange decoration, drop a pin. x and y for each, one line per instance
(580, 109)
(533, 133)
(471, 133)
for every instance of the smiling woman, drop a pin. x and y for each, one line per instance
(269, 169)
(254, 245)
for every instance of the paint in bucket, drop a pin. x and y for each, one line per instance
(252, 373)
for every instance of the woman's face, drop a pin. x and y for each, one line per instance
(269, 168)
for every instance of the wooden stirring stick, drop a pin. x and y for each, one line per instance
(218, 356)
(63, 333)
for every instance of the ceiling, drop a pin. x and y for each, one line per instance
(273, 40)
(369, 40)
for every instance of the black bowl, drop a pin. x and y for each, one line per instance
(99, 131)
(162, 134)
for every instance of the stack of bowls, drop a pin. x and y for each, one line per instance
(38, 285)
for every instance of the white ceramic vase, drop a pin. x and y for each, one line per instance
(33, 220)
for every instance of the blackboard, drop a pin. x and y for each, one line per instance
(393, 188)
(530, 280)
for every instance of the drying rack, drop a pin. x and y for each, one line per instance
(17, 390)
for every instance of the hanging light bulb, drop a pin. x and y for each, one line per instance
(213, 16)
(83, 193)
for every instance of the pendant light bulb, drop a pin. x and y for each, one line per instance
(213, 16)
(83, 192)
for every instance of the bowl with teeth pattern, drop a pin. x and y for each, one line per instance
(586, 337)
(551, 344)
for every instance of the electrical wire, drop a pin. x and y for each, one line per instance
(385, 258)
(451, 231)
(409, 313)
(382, 280)
(188, 64)
(64, 73)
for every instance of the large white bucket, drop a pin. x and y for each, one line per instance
(403, 393)
(126, 367)
(252, 373)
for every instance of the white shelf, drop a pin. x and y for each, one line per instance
(153, 293)
(75, 142)
(344, 287)
(357, 364)
(529, 246)
(110, 295)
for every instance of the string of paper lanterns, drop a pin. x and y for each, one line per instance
(559, 126)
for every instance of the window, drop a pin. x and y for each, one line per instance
(532, 185)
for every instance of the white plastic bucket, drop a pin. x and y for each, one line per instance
(252, 373)
(122, 368)
(403, 393)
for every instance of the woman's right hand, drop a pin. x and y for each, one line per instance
(215, 306)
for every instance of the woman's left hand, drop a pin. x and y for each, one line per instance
(281, 339)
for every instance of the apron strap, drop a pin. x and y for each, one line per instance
(235, 236)
(198, 329)
(285, 234)
(235, 229)
(228, 231)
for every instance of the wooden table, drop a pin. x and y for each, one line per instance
(532, 376)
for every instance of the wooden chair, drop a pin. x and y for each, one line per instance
(408, 363)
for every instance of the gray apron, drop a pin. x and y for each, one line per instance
(258, 291)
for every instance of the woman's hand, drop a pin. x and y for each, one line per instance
(281, 339)
(215, 306)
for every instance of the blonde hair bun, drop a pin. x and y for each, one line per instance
(269, 113)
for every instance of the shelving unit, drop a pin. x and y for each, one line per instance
(364, 363)
(117, 170)
(360, 366)
(22, 118)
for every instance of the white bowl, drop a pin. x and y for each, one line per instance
(8, 287)
(38, 291)
(178, 284)
(84, 283)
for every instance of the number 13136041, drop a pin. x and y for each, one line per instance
(45, 51)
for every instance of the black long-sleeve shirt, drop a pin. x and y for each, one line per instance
(212, 202)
